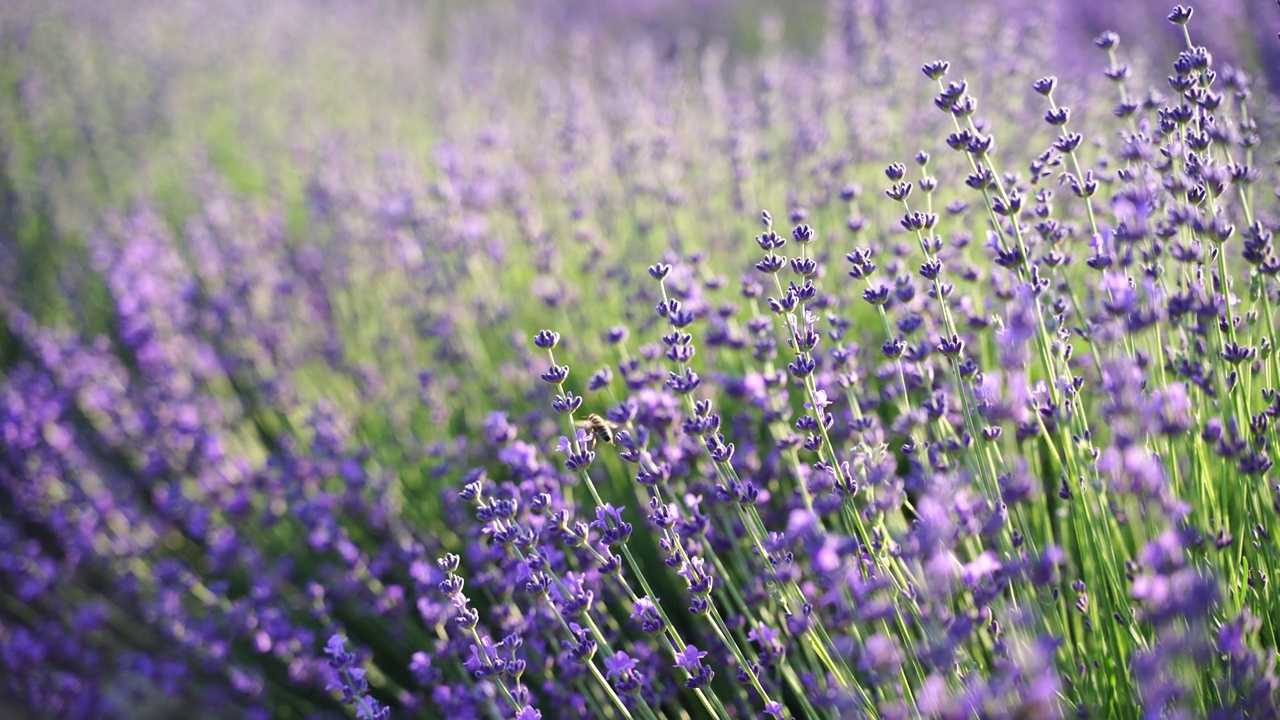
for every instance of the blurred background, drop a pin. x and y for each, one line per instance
(109, 104)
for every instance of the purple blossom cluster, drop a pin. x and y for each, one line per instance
(985, 426)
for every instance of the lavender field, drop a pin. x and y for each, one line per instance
(639, 359)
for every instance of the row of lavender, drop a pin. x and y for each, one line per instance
(988, 431)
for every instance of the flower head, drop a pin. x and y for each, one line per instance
(619, 664)
(690, 658)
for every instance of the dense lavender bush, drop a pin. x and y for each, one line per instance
(977, 419)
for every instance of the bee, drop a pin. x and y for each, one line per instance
(601, 430)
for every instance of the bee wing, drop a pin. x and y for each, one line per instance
(582, 423)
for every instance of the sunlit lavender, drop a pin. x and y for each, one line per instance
(639, 360)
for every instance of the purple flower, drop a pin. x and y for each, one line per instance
(420, 666)
(980, 568)
(619, 663)
(350, 681)
(546, 339)
(690, 659)
(611, 525)
(567, 446)
(695, 572)
(647, 613)
(819, 401)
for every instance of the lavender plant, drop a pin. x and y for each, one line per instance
(561, 424)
